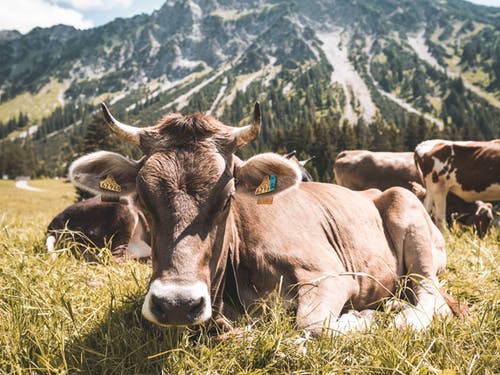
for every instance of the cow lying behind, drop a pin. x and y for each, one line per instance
(331, 249)
(94, 223)
(363, 169)
(477, 214)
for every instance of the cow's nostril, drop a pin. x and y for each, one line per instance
(197, 307)
(159, 305)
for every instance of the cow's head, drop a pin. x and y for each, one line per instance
(185, 182)
(482, 218)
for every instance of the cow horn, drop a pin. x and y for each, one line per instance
(304, 162)
(128, 133)
(248, 133)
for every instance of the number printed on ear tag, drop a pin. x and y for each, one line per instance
(267, 185)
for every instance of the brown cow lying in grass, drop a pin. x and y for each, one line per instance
(95, 223)
(226, 230)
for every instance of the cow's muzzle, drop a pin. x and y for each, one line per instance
(177, 304)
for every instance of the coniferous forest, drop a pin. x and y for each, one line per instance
(308, 122)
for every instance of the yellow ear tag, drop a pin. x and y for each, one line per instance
(267, 185)
(110, 184)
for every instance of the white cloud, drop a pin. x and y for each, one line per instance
(23, 15)
(96, 4)
(491, 3)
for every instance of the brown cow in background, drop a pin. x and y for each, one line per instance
(363, 169)
(94, 223)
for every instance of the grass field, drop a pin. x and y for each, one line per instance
(65, 316)
(38, 105)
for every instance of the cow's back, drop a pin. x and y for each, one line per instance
(477, 165)
(362, 169)
(469, 169)
(97, 221)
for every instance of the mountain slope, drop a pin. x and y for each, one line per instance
(336, 61)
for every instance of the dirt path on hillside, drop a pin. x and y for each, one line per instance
(23, 184)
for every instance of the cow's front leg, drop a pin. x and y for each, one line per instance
(429, 202)
(440, 210)
(422, 252)
(320, 302)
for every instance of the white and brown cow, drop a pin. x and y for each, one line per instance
(97, 223)
(470, 170)
(363, 169)
(227, 230)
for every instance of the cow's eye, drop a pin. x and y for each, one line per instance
(142, 204)
(228, 202)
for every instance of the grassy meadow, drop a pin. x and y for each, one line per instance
(66, 316)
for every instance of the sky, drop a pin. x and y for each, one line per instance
(24, 15)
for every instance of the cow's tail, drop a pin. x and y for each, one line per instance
(459, 309)
(51, 241)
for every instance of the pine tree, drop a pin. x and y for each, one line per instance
(411, 133)
(98, 137)
(16, 159)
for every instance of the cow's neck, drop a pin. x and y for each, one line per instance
(224, 286)
(255, 275)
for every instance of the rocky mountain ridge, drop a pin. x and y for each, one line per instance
(340, 61)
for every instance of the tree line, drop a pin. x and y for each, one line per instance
(307, 120)
(15, 123)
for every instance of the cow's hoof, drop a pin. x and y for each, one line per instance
(413, 319)
(395, 305)
(352, 321)
(302, 343)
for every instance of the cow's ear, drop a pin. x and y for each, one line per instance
(105, 173)
(267, 175)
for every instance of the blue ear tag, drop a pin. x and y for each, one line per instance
(272, 183)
